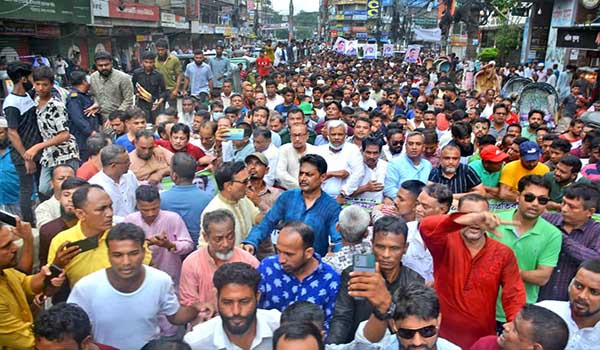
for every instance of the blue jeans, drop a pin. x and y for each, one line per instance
(26, 187)
(46, 177)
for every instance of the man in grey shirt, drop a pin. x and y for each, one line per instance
(221, 69)
(198, 77)
(112, 89)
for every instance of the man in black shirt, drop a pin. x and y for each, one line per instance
(149, 87)
(23, 133)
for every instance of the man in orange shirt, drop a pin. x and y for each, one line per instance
(263, 62)
(469, 269)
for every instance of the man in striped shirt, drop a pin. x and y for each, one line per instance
(460, 178)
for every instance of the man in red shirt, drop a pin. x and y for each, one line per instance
(263, 62)
(179, 141)
(469, 269)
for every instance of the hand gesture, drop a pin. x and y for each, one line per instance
(30, 153)
(23, 230)
(30, 167)
(91, 110)
(64, 255)
(371, 286)
(206, 311)
(160, 240)
(374, 186)
(56, 281)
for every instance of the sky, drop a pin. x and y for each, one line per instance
(282, 6)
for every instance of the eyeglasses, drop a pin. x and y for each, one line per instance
(426, 332)
(244, 181)
(530, 197)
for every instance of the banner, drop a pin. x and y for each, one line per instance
(67, 11)
(370, 52)
(372, 9)
(412, 53)
(340, 45)
(428, 34)
(352, 48)
(388, 50)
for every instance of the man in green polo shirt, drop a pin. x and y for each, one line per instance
(535, 242)
(488, 168)
(170, 68)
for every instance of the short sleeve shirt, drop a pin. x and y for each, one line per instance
(21, 116)
(463, 180)
(52, 119)
(514, 171)
(169, 69)
(487, 179)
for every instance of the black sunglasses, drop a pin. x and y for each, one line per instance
(426, 332)
(530, 197)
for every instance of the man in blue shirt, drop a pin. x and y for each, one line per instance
(220, 68)
(81, 125)
(9, 186)
(297, 273)
(409, 166)
(288, 102)
(200, 76)
(308, 204)
(185, 198)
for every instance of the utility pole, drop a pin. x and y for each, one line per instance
(291, 21)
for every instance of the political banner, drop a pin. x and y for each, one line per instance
(370, 52)
(427, 34)
(412, 53)
(388, 50)
(351, 48)
(340, 45)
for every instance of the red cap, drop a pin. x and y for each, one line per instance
(493, 154)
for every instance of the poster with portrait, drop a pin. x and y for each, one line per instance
(352, 47)
(340, 45)
(388, 50)
(370, 52)
(412, 53)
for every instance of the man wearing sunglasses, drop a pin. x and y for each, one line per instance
(414, 322)
(535, 242)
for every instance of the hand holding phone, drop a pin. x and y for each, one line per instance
(55, 271)
(8, 218)
(234, 134)
(85, 244)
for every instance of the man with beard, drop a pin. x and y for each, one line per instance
(199, 77)
(218, 230)
(535, 242)
(288, 163)
(460, 178)
(149, 87)
(563, 176)
(409, 166)
(535, 119)
(371, 185)
(582, 311)
(297, 273)
(260, 192)
(9, 187)
(240, 324)
(220, 68)
(468, 270)
(534, 327)
(23, 132)
(127, 290)
(170, 68)
(204, 136)
(187, 111)
(112, 89)
(513, 172)
(395, 142)
(344, 166)
(149, 163)
(259, 116)
(67, 217)
(573, 134)
(17, 288)
(415, 319)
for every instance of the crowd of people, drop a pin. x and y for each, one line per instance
(334, 203)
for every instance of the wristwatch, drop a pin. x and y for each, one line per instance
(387, 315)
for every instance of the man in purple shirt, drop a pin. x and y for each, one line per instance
(167, 236)
(581, 238)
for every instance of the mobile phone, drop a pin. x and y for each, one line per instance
(54, 272)
(8, 219)
(85, 244)
(235, 134)
(363, 262)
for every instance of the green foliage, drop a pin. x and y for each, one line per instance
(488, 54)
(503, 7)
(508, 39)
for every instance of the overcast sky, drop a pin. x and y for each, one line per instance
(282, 6)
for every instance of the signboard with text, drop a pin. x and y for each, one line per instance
(578, 38)
(130, 10)
(74, 11)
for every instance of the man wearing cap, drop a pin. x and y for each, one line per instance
(488, 168)
(515, 170)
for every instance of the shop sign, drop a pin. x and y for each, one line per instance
(202, 28)
(361, 35)
(133, 11)
(219, 30)
(170, 20)
(373, 8)
(66, 11)
(143, 38)
(29, 29)
(578, 38)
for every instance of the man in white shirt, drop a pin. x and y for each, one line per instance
(344, 162)
(116, 179)
(366, 102)
(261, 138)
(288, 163)
(434, 199)
(129, 293)
(273, 99)
(240, 324)
(49, 209)
(371, 185)
(582, 311)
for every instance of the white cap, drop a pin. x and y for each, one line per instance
(541, 64)
(3, 122)
(320, 82)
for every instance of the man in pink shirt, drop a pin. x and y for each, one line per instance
(196, 285)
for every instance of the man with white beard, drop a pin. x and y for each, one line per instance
(195, 285)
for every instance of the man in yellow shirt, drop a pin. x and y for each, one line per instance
(515, 170)
(17, 290)
(93, 208)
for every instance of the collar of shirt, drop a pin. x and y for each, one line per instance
(263, 331)
(535, 230)
(559, 221)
